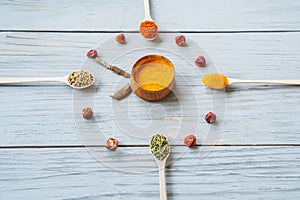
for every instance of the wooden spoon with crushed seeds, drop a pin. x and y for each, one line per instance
(78, 79)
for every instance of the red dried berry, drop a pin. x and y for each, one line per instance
(87, 113)
(200, 61)
(111, 144)
(190, 141)
(121, 38)
(210, 117)
(180, 40)
(92, 53)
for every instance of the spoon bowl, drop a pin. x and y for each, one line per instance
(66, 79)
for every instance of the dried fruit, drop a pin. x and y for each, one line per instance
(190, 141)
(210, 117)
(92, 53)
(200, 61)
(180, 40)
(87, 113)
(111, 143)
(121, 38)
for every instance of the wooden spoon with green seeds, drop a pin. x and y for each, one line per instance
(160, 149)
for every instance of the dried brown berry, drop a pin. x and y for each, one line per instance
(111, 144)
(87, 113)
(210, 117)
(180, 40)
(121, 38)
(190, 141)
(200, 61)
(92, 53)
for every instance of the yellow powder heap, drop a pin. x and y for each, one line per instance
(215, 81)
(154, 74)
(154, 77)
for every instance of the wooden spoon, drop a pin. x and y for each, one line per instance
(63, 79)
(161, 163)
(148, 28)
(220, 81)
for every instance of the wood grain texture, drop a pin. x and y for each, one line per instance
(42, 114)
(226, 173)
(42, 156)
(107, 15)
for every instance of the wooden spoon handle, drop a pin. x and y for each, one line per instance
(122, 92)
(162, 182)
(119, 71)
(115, 69)
(288, 82)
(27, 80)
(147, 10)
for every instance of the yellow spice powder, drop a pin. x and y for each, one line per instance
(215, 81)
(154, 75)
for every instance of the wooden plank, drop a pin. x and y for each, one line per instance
(182, 15)
(226, 173)
(35, 114)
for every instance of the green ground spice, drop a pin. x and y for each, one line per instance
(159, 146)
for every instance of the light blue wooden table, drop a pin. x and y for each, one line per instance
(256, 155)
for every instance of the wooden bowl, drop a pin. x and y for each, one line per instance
(152, 77)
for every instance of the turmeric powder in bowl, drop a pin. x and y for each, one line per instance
(152, 77)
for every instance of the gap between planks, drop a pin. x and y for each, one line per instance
(135, 31)
(95, 146)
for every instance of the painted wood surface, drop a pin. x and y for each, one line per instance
(226, 173)
(180, 15)
(250, 115)
(42, 155)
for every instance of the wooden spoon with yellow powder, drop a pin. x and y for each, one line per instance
(220, 81)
